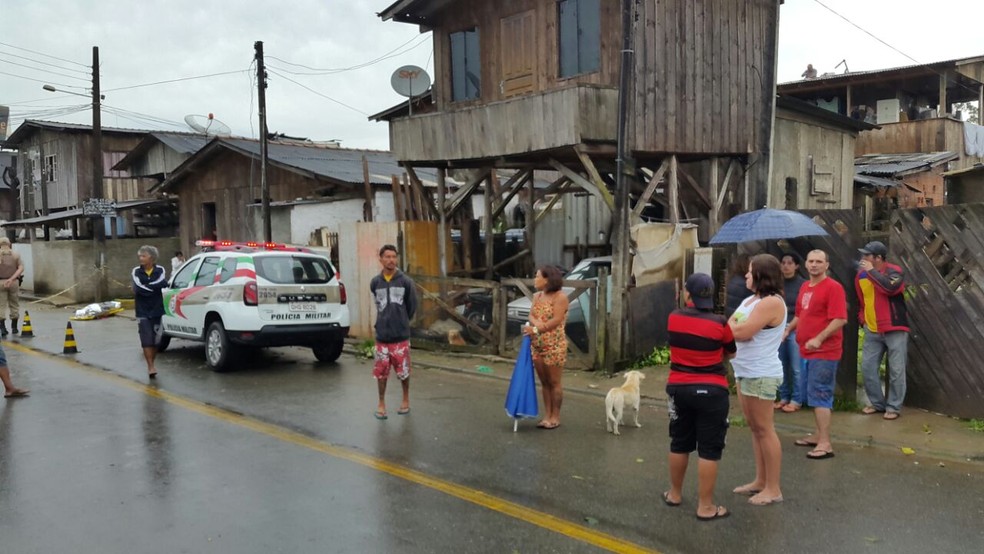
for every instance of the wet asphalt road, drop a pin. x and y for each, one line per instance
(293, 461)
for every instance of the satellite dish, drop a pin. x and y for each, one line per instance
(410, 81)
(208, 125)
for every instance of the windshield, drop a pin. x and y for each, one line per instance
(294, 270)
(587, 271)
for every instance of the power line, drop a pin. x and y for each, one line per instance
(40, 81)
(32, 68)
(45, 55)
(56, 66)
(174, 80)
(865, 31)
(146, 117)
(330, 71)
(319, 93)
(46, 99)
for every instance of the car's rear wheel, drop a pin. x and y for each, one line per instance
(163, 343)
(329, 351)
(218, 354)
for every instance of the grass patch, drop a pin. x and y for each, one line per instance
(738, 422)
(976, 425)
(842, 404)
(367, 349)
(659, 356)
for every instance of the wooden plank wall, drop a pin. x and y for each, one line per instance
(796, 140)
(704, 75)
(520, 125)
(487, 16)
(929, 135)
(940, 250)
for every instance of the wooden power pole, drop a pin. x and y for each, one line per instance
(261, 83)
(98, 223)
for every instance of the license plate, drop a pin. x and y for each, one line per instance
(303, 307)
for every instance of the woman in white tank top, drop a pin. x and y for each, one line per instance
(758, 325)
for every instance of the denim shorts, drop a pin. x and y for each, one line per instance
(759, 387)
(150, 331)
(820, 379)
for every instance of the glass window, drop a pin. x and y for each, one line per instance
(299, 270)
(228, 269)
(206, 275)
(579, 37)
(182, 279)
(466, 70)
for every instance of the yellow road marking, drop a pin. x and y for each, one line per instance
(474, 496)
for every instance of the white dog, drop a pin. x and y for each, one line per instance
(620, 397)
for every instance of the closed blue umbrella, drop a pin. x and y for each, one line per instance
(521, 399)
(767, 224)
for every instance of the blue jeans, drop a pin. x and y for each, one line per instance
(789, 353)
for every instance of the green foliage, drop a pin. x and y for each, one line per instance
(738, 421)
(659, 356)
(842, 404)
(367, 349)
(976, 425)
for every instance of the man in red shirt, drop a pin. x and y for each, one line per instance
(821, 312)
(697, 389)
(880, 287)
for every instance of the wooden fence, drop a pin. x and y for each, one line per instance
(940, 250)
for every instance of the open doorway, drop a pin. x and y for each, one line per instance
(209, 228)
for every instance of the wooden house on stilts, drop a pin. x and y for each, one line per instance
(533, 85)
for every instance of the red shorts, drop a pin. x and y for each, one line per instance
(392, 355)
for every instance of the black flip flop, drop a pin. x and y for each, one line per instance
(667, 501)
(825, 454)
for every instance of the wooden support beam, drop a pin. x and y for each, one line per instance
(650, 189)
(397, 199)
(673, 192)
(513, 258)
(941, 108)
(512, 188)
(430, 211)
(725, 185)
(530, 213)
(580, 181)
(550, 204)
(369, 208)
(713, 215)
(489, 242)
(442, 222)
(596, 178)
(687, 178)
(464, 192)
(411, 208)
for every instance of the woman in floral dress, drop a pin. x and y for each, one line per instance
(548, 340)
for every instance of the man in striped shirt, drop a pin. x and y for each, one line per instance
(697, 389)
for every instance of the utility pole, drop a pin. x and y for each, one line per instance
(620, 246)
(98, 224)
(261, 82)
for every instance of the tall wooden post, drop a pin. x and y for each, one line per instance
(712, 226)
(674, 191)
(442, 223)
(489, 243)
(941, 108)
(368, 209)
(620, 247)
(531, 218)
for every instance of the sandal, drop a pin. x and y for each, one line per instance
(868, 410)
(780, 404)
(790, 408)
(891, 415)
(720, 512)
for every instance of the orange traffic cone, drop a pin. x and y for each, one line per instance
(26, 329)
(70, 346)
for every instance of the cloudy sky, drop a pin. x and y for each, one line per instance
(330, 61)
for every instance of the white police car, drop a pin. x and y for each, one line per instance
(237, 295)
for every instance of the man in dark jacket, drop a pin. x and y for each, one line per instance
(882, 313)
(396, 303)
(149, 279)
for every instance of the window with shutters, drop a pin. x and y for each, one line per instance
(50, 168)
(466, 70)
(579, 31)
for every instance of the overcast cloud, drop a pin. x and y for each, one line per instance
(153, 40)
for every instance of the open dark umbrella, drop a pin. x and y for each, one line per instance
(767, 224)
(521, 399)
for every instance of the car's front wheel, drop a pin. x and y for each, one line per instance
(329, 351)
(218, 355)
(163, 343)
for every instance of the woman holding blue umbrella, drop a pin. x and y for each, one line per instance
(548, 341)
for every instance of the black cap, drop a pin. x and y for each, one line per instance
(874, 248)
(701, 289)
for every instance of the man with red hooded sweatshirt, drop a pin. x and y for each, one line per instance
(880, 287)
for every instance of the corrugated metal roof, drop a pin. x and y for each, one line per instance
(901, 69)
(77, 212)
(879, 182)
(184, 143)
(894, 164)
(24, 128)
(340, 164)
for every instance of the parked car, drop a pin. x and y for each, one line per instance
(240, 295)
(578, 319)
